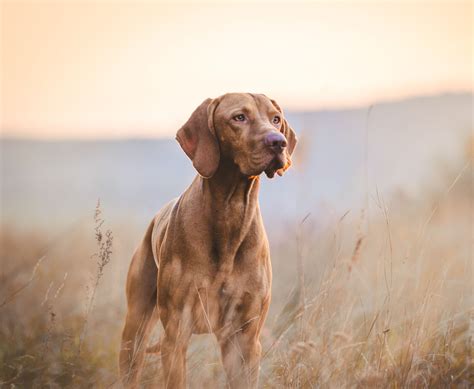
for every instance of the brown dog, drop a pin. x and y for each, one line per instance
(204, 264)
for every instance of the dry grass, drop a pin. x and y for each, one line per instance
(379, 301)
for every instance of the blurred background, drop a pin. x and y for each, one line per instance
(381, 97)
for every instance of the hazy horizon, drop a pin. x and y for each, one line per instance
(167, 134)
(407, 143)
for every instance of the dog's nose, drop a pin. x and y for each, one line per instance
(276, 141)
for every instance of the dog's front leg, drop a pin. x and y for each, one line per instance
(174, 345)
(241, 358)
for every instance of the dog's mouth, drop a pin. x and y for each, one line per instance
(277, 162)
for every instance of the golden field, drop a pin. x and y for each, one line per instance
(378, 298)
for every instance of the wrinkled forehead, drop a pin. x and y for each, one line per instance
(245, 101)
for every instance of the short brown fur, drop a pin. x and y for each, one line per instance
(204, 263)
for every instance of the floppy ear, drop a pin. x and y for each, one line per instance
(290, 137)
(197, 139)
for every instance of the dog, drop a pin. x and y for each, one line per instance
(204, 263)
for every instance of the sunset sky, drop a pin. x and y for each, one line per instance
(103, 69)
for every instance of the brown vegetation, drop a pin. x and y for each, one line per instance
(386, 301)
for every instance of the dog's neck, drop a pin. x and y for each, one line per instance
(232, 199)
(228, 185)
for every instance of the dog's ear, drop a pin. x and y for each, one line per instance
(290, 137)
(198, 140)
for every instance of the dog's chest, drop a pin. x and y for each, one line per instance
(233, 238)
(225, 306)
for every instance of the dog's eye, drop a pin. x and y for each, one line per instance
(239, 118)
(276, 120)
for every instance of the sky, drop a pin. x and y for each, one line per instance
(101, 69)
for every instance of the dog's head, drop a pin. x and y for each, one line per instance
(248, 129)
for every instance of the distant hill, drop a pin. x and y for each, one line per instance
(56, 183)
